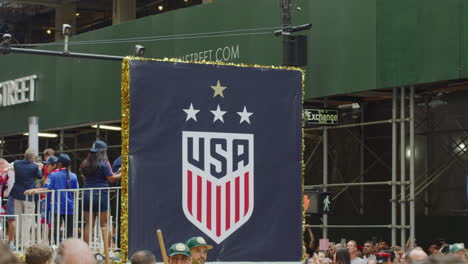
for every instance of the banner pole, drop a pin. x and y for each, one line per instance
(162, 246)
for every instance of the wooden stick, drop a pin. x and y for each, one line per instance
(162, 246)
(105, 237)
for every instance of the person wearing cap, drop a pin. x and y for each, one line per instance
(97, 173)
(179, 253)
(50, 165)
(198, 249)
(458, 250)
(62, 179)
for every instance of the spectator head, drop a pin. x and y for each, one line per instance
(441, 259)
(458, 250)
(50, 164)
(342, 256)
(321, 254)
(398, 253)
(143, 257)
(416, 255)
(29, 154)
(198, 249)
(382, 245)
(179, 253)
(352, 247)
(6, 256)
(74, 251)
(38, 254)
(48, 152)
(3, 164)
(432, 247)
(368, 248)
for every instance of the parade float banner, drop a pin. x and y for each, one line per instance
(215, 151)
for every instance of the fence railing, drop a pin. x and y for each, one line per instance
(54, 216)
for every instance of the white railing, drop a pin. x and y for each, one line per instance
(62, 214)
(4, 232)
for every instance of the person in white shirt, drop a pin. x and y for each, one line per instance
(352, 248)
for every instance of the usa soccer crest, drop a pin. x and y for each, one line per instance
(217, 173)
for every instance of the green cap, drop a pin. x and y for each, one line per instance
(457, 247)
(179, 249)
(197, 242)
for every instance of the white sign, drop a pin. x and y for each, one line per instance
(17, 91)
(226, 53)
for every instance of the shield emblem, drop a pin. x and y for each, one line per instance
(217, 181)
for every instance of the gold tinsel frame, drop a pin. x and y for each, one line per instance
(125, 101)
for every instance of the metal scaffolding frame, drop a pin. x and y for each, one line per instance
(403, 183)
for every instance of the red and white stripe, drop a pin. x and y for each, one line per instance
(218, 207)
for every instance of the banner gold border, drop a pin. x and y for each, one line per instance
(125, 101)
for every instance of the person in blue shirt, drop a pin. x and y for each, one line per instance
(26, 172)
(62, 179)
(97, 173)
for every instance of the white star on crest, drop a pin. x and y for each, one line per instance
(245, 116)
(218, 114)
(191, 113)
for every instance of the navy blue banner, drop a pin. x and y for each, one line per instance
(216, 151)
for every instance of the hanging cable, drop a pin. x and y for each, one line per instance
(164, 37)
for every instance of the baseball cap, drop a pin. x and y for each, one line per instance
(382, 257)
(51, 160)
(64, 159)
(179, 249)
(98, 145)
(457, 247)
(197, 242)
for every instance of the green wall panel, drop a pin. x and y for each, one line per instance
(353, 46)
(342, 46)
(418, 41)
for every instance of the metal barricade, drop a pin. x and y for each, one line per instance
(87, 206)
(5, 230)
(41, 227)
(63, 214)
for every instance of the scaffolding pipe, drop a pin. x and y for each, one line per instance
(325, 178)
(394, 166)
(325, 173)
(354, 184)
(361, 169)
(2, 142)
(412, 170)
(62, 132)
(350, 226)
(402, 167)
(387, 121)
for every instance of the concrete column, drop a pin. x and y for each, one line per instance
(33, 138)
(65, 14)
(123, 10)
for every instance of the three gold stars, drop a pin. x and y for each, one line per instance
(218, 89)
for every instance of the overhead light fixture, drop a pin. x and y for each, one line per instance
(47, 135)
(49, 32)
(160, 8)
(2, 141)
(106, 127)
(77, 14)
(461, 147)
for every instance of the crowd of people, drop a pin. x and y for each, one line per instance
(378, 252)
(75, 251)
(28, 183)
